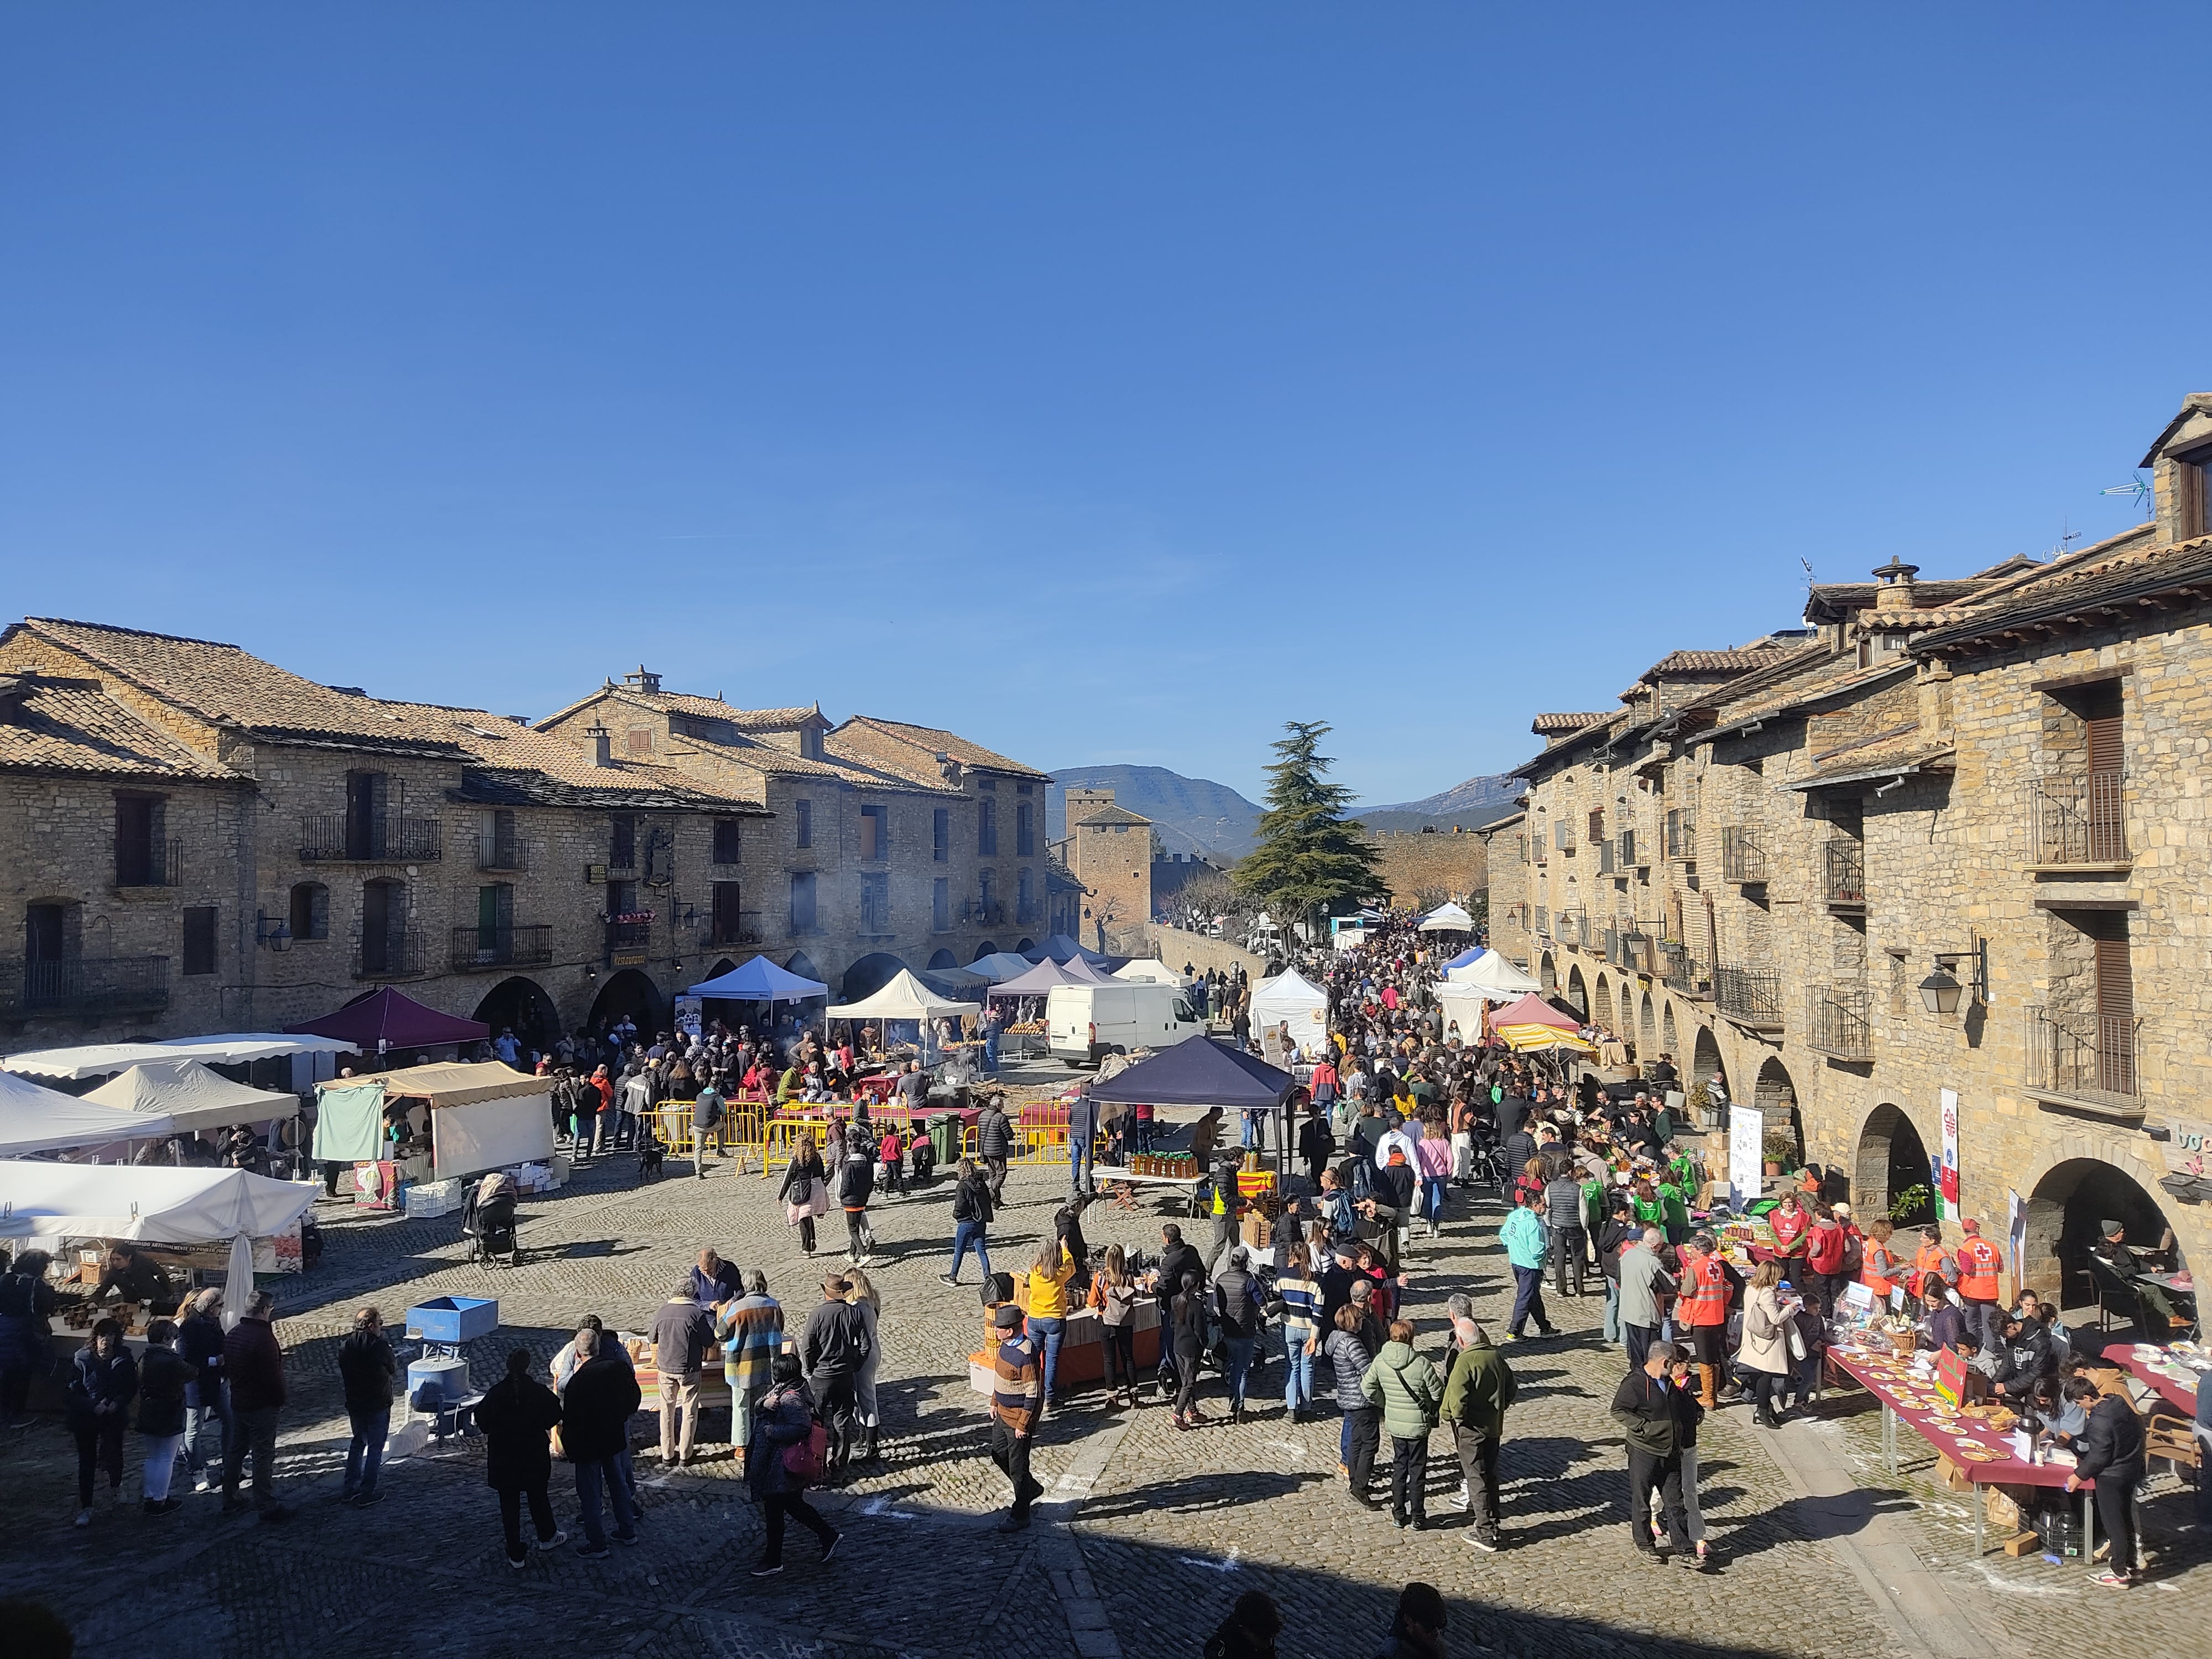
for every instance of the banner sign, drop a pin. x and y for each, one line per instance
(1747, 1151)
(1947, 1172)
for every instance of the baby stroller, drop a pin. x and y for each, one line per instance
(487, 1222)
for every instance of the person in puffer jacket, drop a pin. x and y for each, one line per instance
(1564, 1212)
(1349, 1358)
(1410, 1390)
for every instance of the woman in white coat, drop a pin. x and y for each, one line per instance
(1763, 1358)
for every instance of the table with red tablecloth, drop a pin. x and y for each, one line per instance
(1982, 1455)
(2177, 1393)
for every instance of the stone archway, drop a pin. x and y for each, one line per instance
(1775, 1095)
(1647, 1031)
(987, 948)
(1668, 1043)
(521, 1006)
(1706, 1058)
(1577, 994)
(1547, 974)
(629, 992)
(1891, 1157)
(1024, 946)
(1602, 1017)
(803, 965)
(943, 959)
(2066, 1209)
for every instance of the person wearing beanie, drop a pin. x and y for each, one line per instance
(1017, 1403)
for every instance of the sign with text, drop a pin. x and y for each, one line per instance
(1951, 1380)
(1747, 1151)
(1947, 1172)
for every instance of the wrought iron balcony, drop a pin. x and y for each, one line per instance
(1836, 1022)
(1573, 927)
(341, 838)
(85, 985)
(163, 866)
(2078, 819)
(1682, 971)
(748, 930)
(1743, 855)
(1749, 996)
(2084, 1060)
(629, 935)
(498, 854)
(1844, 868)
(395, 954)
(477, 949)
(1681, 838)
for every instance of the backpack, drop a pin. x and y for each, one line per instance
(803, 1461)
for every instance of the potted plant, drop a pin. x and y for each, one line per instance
(1781, 1149)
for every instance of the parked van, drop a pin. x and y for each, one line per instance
(1086, 1023)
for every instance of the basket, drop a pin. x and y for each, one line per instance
(1902, 1342)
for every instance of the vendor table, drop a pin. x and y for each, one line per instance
(1121, 1184)
(2176, 1392)
(1894, 1381)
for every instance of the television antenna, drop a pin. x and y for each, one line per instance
(2140, 489)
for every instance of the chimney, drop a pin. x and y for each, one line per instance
(1894, 592)
(603, 746)
(642, 678)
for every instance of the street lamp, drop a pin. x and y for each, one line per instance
(1941, 990)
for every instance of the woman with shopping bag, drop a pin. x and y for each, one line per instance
(805, 1193)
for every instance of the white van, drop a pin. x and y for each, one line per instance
(1086, 1023)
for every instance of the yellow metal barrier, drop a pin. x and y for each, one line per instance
(740, 1131)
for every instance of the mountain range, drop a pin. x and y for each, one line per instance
(1197, 814)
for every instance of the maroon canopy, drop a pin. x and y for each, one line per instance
(396, 1020)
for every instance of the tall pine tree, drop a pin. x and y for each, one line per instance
(1309, 855)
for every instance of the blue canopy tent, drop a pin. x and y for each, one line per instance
(1059, 948)
(759, 980)
(1201, 1071)
(1464, 958)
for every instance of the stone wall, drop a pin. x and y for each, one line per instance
(1175, 946)
(1457, 864)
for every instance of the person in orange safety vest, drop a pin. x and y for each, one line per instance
(1979, 1264)
(1701, 1308)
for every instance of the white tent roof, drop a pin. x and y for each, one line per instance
(1446, 919)
(904, 997)
(1493, 972)
(190, 1096)
(1000, 966)
(1459, 1001)
(1146, 971)
(34, 1119)
(456, 1082)
(153, 1205)
(100, 1059)
(1288, 1000)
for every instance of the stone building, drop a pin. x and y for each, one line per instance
(892, 845)
(1108, 849)
(1979, 794)
(197, 840)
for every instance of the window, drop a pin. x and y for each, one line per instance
(1597, 824)
(640, 740)
(940, 903)
(1021, 788)
(940, 835)
(498, 845)
(876, 904)
(802, 822)
(986, 886)
(311, 911)
(141, 850)
(622, 842)
(875, 838)
(368, 803)
(199, 939)
(1028, 896)
(987, 828)
(1025, 830)
(802, 901)
(729, 915)
(988, 783)
(726, 840)
(2193, 494)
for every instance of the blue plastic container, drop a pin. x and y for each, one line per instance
(454, 1318)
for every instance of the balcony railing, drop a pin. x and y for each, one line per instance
(1845, 867)
(985, 913)
(1749, 996)
(476, 948)
(1028, 915)
(1743, 858)
(502, 855)
(164, 867)
(1682, 838)
(1607, 861)
(747, 930)
(1836, 1022)
(1624, 851)
(629, 935)
(341, 838)
(2078, 819)
(85, 985)
(1573, 928)
(396, 954)
(1544, 921)
(2088, 1059)
(1682, 971)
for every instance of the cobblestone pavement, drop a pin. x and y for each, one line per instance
(1147, 1538)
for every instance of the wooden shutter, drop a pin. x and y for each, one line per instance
(2116, 988)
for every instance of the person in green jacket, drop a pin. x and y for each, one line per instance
(1475, 1399)
(1411, 1391)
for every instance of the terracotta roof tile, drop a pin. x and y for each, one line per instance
(516, 758)
(1112, 815)
(73, 725)
(1713, 662)
(1546, 725)
(929, 741)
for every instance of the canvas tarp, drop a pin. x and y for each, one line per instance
(1492, 972)
(760, 980)
(491, 1135)
(903, 997)
(1528, 1038)
(1199, 1071)
(350, 1120)
(191, 1096)
(1080, 970)
(1149, 970)
(464, 1082)
(34, 1119)
(1000, 966)
(151, 1206)
(1446, 919)
(396, 1021)
(1058, 947)
(1533, 1010)
(1463, 958)
(1289, 999)
(103, 1059)
(1036, 983)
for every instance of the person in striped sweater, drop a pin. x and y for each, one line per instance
(1297, 1301)
(751, 1330)
(1016, 1404)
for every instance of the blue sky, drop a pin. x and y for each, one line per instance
(1108, 383)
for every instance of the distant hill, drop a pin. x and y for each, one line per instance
(1193, 815)
(1470, 804)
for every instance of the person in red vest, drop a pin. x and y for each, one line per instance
(1826, 1246)
(1701, 1308)
(1979, 1264)
(1790, 1223)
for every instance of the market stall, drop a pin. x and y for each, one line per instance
(759, 980)
(384, 1021)
(1489, 971)
(1200, 1071)
(34, 1119)
(2174, 1371)
(904, 1000)
(1288, 1000)
(1445, 919)
(103, 1059)
(1000, 966)
(482, 1116)
(1149, 970)
(191, 1098)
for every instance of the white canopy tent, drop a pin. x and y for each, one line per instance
(1492, 972)
(1147, 970)
(149, 1205)
(191, 1097)
(1000, 966)
(1446, 919)
(34, 1119)
(1289, 999)
(102, 1059)
(903, 997)
(483, 1115)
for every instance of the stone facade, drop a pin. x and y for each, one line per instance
(1109, 850)
(1454, 863)
(1995, 780)
(1506, 871)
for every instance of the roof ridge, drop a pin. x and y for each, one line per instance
(141, 633)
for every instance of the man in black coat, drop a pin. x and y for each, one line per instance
(1658, 1416)
(1176, 1259)
(370, 1372)
(833, 1346)
(595, 1413)
(517, 1414)
(2110, 1451)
